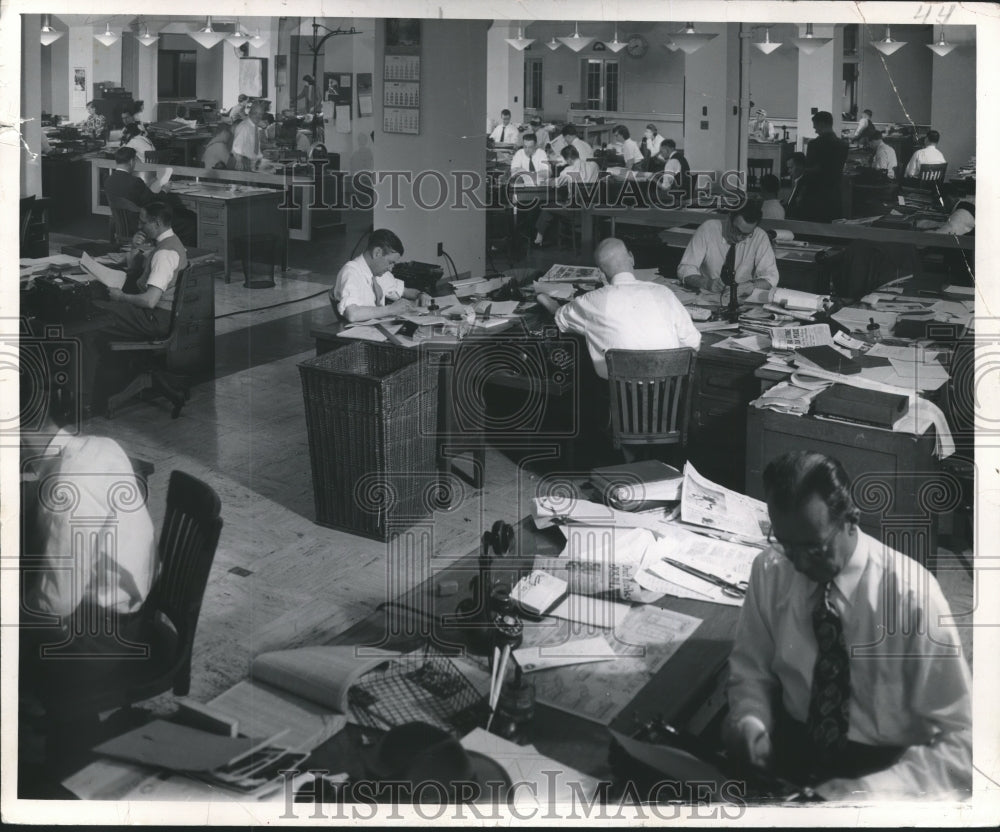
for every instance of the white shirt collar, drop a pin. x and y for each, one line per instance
(168, 233)
(849, 577)
(623, 278)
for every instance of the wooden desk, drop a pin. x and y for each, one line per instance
(189, 145)
(493, 357)
(681, 692)
(897, 482)
(224, 215)
(777, 152)
(594, 133)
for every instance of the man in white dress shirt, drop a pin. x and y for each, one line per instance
(846, 675)
(567, 137)
(865, 126)
(530, 159)
(628, 147)
(504, 132)
(627, 314)
(927, 155)
(365, 288)
(884, 157)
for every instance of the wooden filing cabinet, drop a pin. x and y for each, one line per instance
(724, 385)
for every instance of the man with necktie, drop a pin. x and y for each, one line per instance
(365, 288)
(846, 675)
(737, 241)
(504, 132)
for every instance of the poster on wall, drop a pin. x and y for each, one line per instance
(338, 87)
(253, 77)
(79, 87)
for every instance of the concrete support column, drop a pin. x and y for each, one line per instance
(31, 110)
(820, 81)
(505, 70)
(711, 100)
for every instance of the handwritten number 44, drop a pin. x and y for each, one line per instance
(924, 11)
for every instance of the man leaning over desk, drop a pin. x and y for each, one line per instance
(846, 674)
(627, 314)
(736, 245)
(365, 288)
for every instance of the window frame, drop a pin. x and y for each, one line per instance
(603, 99)
(531, 102)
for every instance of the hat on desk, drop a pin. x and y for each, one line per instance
(431, 764)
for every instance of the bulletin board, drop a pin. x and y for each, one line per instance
(401, 76)
(338, 87)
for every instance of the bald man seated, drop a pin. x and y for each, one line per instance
(627, 314)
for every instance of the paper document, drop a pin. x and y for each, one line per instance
(112, 278)
(794, 337)
(703, 503)
(176, 747)
(562, 291)
(579, 651)
(572, 274)
(497, 307)
(550, 511)
(608, 557)
(748, 343)
(915, 353)
(545, 782)
(794, 299)
(857, 320)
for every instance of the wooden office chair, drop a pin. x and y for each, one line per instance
(154, 376)
(650, 392)
(756, 168)
(77, 687)
(124, 220)
(34, 227)
(929, 175)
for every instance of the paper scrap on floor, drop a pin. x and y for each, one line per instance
(545, 782)
(704, 503)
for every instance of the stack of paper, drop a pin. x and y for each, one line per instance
(787, 397)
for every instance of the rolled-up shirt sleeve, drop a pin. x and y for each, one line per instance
(694, 254)
(765, 267)
(753, 688)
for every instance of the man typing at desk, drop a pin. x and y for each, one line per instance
(365, 288)
(845, 671)
(734, 248)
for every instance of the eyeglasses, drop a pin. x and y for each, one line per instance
(802, 550)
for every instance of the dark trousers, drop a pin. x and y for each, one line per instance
(799, 761)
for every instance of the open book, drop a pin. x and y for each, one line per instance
(301, 691)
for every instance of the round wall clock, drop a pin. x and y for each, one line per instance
(636, 46)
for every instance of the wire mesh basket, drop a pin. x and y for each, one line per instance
(417, 687)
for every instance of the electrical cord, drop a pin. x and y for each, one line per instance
(454, 271)
(272, 306)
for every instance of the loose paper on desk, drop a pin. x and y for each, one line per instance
(109, 277)
(572, 274)
(915, 353)
(176, 747)
(748, 343)
(703, 503)
(497, 307)
(857, 320)
(609, 556)
(577, 651)
(794, 299)
(730, 561)
(642, 639)
(563, 291)
(549, 511)
(546, 782)
(793, 337)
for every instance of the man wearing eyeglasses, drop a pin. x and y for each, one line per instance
(846, 674)
(731, 248)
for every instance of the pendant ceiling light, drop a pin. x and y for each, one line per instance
(767, 46)
(520, 43)
(207, 36)
(575, 42)
(145, 38)
(238, 37)
(257, 41)
(690, 41)
(48, 34)
(553, 44)
(809, 43)
(942, 47)
(107, 37)
(616, 45)
(887, 46)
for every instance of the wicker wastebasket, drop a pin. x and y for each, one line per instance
(371, 410)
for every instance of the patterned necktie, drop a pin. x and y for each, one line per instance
(830, 697)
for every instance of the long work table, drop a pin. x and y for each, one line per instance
(670, 217)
